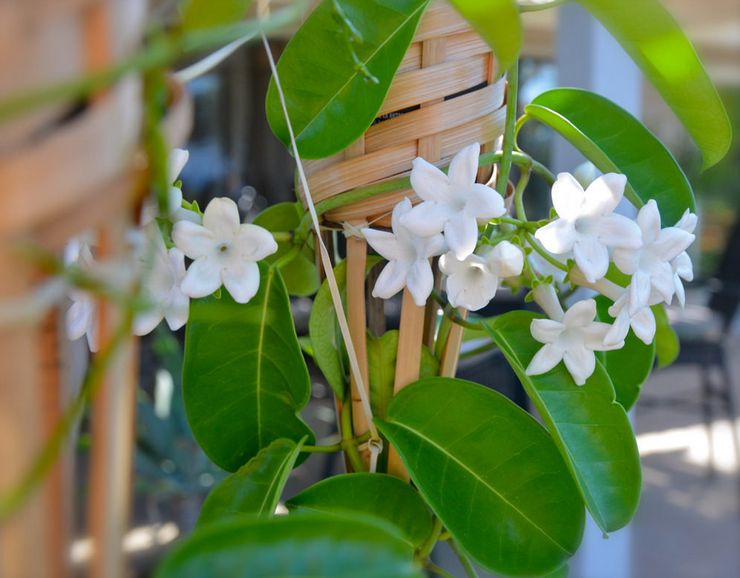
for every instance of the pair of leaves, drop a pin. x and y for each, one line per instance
(244, 377)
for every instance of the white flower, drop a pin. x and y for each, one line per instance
(453, 203)
(408, 257)
(175, 211)
(223, 251)
(82, 316)
(641, 319)
(573, 340)
(587, 225)
(163, 273)
(473, 282)
(650, 265)
(682, 267)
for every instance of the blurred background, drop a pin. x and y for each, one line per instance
(687, 425)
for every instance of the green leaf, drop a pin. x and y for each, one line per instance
(328, 347)
(490, 472)
(309, 546)
(382, 353)
(244, 377)
(253, 489)
(377, 495)
(498, 22)
(561, 572)
(202, 14)
(667, 345)
(653, 39)
(629, 367)
(592, 431)
(299, 273)
(330, 101)
(615, 141)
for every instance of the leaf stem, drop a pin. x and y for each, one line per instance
(348, 436)
(432, 567)
(467, 565)
(535, 244)
(519, 194)
(337, 447)
(509, 134)
(426, 548)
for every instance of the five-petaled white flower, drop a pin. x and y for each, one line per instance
(650, 265)
(82, 316)
(452, 203)
(473, 282)
(641, 319)
(587, 225)
(408, 257)
(175, 211)
(571, 339)
(223, 251)
(162, 274)
(683, 269)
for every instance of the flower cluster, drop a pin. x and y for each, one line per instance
(222, 249)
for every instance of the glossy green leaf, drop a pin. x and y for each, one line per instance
(382, 353)
(561, 572)
(653, 39)
(592, 431)
(629, 367)
(667, 345)
(615, 141)
(490, 472)
(373, 494)
(244, 377)
(201, 14)
(328, 347)
(498, 22)
(299, 273)
(330, 101)
(310, 546)
(255, 488)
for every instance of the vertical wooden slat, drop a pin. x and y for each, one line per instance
(451, 352)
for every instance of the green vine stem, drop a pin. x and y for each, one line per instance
(337, 447)
(519, 195)
(512, 94)
(426, 548)
(467, 565)
(348, 436)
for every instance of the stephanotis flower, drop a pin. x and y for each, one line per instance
(175, 211)
(473, 282)
(683, 270)
(640, 319)
(570, 337)
(408, 257)
(453, 203)
(223, 251)
(82, 316)
(650, 265)
(587, 225)
(162, 275)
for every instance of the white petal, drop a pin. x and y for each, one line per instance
(432, 246)
(484, 203)
(639, 291)
(604, 194)
(661, 280)
(546, 330)
(426, 219)
(506, 259)
(649, 221)
(255, 243)
(183, 214)
(464, 167)
(567, 196)
(618, 231)
(420, 281)
(594, 337)
(222, 217)
(619, 329)
(627, 260)
(643, 324)
(202, 278)
(688, 221)
(174, 200)
(591, 257)
(580, 314)
(384, 243)
(146, 321)
(557, 237)
(391, 280)
(679, 290)
(242, 281)
(461, 234)
(178, 159)
(545, 359)
(451, 265)
(683, 267)
(177, 311)
(471, 290)
(193, 240)
(580, 363)
(670, 243)
(429, 183)
(93, 340)
(80, 318)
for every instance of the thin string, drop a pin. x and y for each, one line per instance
(375, 443)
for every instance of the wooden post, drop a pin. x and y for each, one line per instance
(451, 352)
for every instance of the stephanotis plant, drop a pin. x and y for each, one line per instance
(507, 491)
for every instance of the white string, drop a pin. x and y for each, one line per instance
(375, 445)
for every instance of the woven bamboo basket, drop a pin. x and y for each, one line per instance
(443, 97)
(61, 175)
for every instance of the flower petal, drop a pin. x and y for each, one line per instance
(385, 244)
(484, 203)
(567, 196)
(79, 318)
(683, 267)
(679, 290)
(420, 281)
(222, 217)
(618, 231)
(255, 243)
(545, 359)
(649, 221)
(464, 168)
(643, 324)
(194, 240)
(580, 314)
(591, 257)
(546, 330)
(661, 280)
(627, 260)
(506, 259)
(619, 330)
(242, 280)
(202, 278)
(146, 321)
(580, 363)
(639, 291)
(471, 291)
(391, 280)
(603, 195)
(461, 233)
(177, 312)
(557, 237)
(594, 337)
(428, 182)
(426, 219)
(687, 222)
(178, 159)
(670, 243)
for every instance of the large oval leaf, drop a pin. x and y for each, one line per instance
(498, 22)
(615, 141)
(297, 546)
(490, 472)
(253, 489)
(244, 377)
(373, 494)
(591, 429)
(330, 101)
(650, 35)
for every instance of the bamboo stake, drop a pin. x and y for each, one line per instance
(451, 353)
